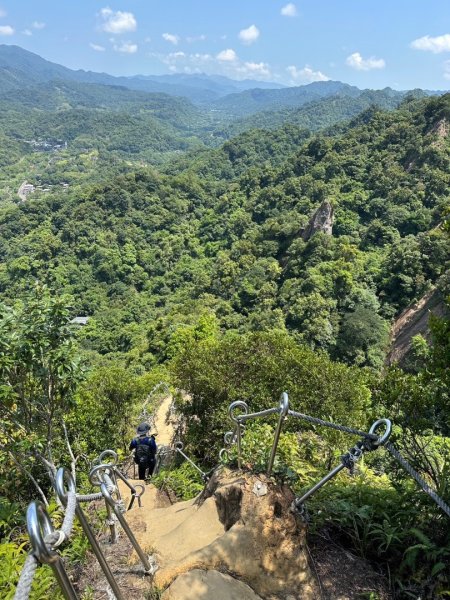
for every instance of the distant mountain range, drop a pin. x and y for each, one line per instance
(21, 69)
(151, 116)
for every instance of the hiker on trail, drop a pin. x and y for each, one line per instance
(144, 447)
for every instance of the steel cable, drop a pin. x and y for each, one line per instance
(58, 537)
(415, 475)
(343, 428)
(89, 497)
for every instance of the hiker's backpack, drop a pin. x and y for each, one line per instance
(143, 453)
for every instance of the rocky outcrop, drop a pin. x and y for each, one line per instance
(413, 321)
(228, 529)
(322, 220)
(441, 128)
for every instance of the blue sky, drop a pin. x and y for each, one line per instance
(398, 43)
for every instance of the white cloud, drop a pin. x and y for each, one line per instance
(249, 35)
(6, 30)
(38, 25)
(356, 61)
(171, 37)
(96, 47)
(176, 55)
(305, 75)
(200, 57)
(181, 62)
(3, 13)
(251, 68)
(117, 22)
(227, 55)
(440, 43)
(196, 38)
(290, 10)
(126, 48)
(225, 62)
(27, 32)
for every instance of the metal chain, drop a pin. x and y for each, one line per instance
(26, 578)
(343, 428)
(415, 475)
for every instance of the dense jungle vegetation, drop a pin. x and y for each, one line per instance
(201, 269)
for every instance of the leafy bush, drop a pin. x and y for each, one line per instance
(12, 558)
(291, 463)
(257, 367)
(185, 481)
(389, 525)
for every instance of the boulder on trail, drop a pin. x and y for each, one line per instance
(208, 584)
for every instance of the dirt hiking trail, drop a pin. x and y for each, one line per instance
(232, 542)
(164, 423)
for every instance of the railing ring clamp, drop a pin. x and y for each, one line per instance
(233, 406)
(141, 487)
(224, 454)
(384, 438)
(63, 476)
(40, 526)
(108, 453)
(228, 437)
(95, 473)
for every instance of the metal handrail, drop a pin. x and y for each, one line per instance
(179, 448)
(97, 476)
(63, 477)
(113, 505)
(133, 488)
(349, 459)
(39, 526)
(101, 474)
(282, 409)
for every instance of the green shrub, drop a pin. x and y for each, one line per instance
(185, 481)
(391, 525)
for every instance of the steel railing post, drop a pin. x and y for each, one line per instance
(283, 408)
(110, 501)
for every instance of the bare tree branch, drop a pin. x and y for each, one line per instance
(51, 468)
(30, 476)
(73, 460)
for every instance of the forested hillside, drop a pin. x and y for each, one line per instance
(227, 235)
(231, 259)
(320, 113)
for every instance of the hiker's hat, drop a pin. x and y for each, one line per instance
(143, 428)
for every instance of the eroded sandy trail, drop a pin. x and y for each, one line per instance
(164, 426)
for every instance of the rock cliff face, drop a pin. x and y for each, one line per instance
(413, 321)
(322, 220)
